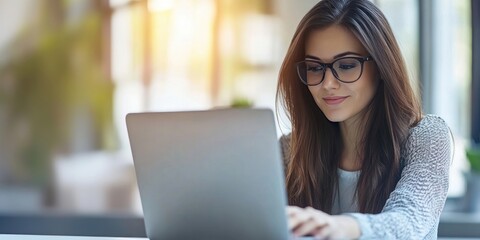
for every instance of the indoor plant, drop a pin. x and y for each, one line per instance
(473, 156)
(472, 193)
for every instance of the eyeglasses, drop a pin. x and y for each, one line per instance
(345, 69)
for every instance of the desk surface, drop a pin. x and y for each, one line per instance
(45, 237)
(56, 227)
(63, 237)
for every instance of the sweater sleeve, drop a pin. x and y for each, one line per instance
(413, 209)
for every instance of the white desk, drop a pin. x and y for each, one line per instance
(50, 237)
(45, 237)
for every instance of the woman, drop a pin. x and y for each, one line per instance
(361, 160)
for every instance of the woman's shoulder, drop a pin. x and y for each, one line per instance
(430, 126)
(430, 138)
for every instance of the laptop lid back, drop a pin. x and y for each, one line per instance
(213, 174)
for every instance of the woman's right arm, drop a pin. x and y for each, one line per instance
(413, 209)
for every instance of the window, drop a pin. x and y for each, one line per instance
(446, 74)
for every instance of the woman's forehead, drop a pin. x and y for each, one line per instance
(327, 43)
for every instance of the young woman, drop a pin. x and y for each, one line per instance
(361, 160)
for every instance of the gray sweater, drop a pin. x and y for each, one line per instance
(413, 209)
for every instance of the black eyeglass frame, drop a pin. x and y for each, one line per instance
(330, 65)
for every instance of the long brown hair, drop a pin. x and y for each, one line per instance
(316, 144)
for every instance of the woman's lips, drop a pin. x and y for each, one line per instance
(334, 100)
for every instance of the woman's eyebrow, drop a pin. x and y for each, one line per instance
(312, 57)
(334, 57)
(345, 54)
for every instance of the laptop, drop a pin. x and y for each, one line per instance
(213, 174)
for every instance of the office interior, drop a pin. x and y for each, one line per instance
(71, 70)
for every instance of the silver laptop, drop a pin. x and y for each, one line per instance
(213, 174)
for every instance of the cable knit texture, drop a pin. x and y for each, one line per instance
(413, 209)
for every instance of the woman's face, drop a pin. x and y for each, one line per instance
(340, 101)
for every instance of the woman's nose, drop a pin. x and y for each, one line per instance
(330, 81)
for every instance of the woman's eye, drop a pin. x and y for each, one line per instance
(314, 69)
(346, 66)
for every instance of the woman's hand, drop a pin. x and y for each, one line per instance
(309, 221)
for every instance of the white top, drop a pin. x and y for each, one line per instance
(344, 200)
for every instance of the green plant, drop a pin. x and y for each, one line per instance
(241, 103)
(473, 156)
(45, 89)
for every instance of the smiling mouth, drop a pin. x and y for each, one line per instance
(334, 100)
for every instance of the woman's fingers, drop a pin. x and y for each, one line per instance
(322, 233)
(297, 219)
(292, 210)
(307, 228)
(308, 221)
(322, 227)
(294, 215)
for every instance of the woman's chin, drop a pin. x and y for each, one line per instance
(335, 117)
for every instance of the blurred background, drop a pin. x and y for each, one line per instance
(70, 70)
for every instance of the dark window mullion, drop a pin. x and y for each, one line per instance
(475, 97)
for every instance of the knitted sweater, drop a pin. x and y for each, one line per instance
(413, 209)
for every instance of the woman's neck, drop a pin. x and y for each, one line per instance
(352, 133)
